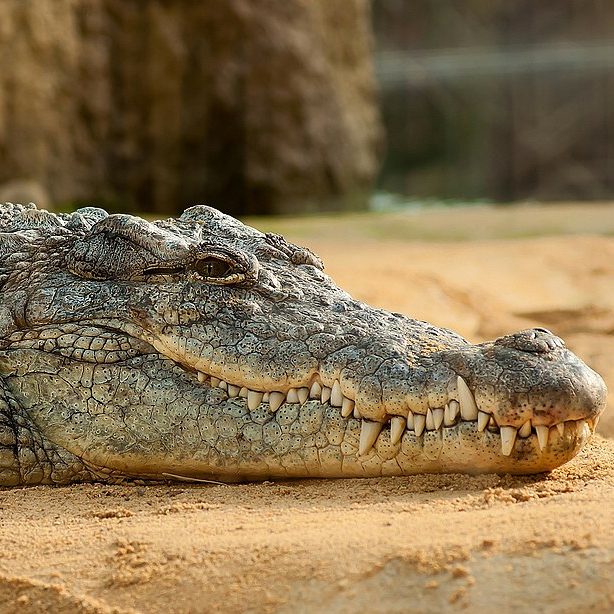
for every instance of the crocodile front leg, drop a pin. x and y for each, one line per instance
(26, 457)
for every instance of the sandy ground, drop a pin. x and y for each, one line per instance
(416, 544)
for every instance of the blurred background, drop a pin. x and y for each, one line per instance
(497, 100)
(290, 106)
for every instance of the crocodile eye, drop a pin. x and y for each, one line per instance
(212, 268)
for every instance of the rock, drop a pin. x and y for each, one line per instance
(256, 107)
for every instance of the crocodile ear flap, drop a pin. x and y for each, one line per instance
(103, 255)
(120, 245)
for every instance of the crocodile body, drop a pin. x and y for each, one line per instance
(201, 348)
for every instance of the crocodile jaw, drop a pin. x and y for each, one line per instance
(209, 432)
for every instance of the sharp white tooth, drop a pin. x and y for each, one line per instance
(410, 420)
(202, 377)
(560, 427)
(542, 436)
(315, 392)
(243, 392)
(265, 397)
(583, 429)
(508, 437)
(233, 391)
(292, 396)
(430, 425)
(468, 408)
(368, 434)
(336, 396)
(525, 429)
(356, 413)
(215, 381)
(303, 395)
(447, 418)
(483, 419)
(454, 406)
(223, 385)
(254, 399)
(419, 424)
(325, 398)
(347, 408)
(275, 400)
(437, 418)
(397, 428)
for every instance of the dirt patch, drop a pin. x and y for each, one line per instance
(443, 541)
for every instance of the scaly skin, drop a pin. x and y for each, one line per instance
(137, 349)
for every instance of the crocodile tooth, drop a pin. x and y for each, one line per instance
(265, 397)
(368, 434)
(303, 395)
(508, 437)
(397, 427)
(223, 385)
(215, 381)
(325, 398)
(275, 400)
(437, 418)
(292, 396)
(419, 424)
(448, 418)
(233, 391)
(560, 427)
(356, 413)
(336, 396)
(202, 377)
(410, 420)
(315, 392)
(483, 419)
(582, 428)
(430, 425)
(525, 429)
(542, 436)
(468, 408)
(243, 392)
(347, 408)
(254, 399)
(454, 406)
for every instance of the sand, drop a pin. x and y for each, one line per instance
(415, 544)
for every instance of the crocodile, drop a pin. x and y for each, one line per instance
(199, 348)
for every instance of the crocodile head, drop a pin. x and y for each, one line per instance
(200, 347)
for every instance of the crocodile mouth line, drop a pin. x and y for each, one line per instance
(114, 346)
(462, 410)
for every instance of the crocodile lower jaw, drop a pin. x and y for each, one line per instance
(455, 412)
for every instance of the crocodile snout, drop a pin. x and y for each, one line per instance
(531, 376)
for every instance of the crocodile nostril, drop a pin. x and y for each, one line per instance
(539, 329)
(535, 340)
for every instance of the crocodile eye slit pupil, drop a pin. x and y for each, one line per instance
(212, 268)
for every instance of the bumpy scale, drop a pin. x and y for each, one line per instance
(201, 348)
